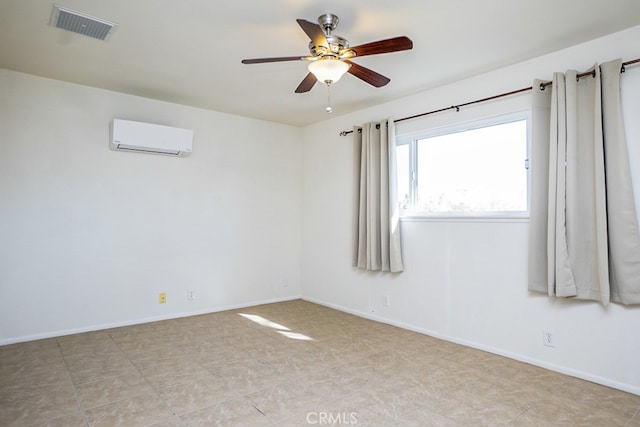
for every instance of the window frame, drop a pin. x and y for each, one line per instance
(411, 140)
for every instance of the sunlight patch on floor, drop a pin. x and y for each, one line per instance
(283, 330)
(264, 322)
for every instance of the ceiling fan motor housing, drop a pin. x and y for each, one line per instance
(336, 44)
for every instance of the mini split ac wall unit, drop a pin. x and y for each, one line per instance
(139, 137)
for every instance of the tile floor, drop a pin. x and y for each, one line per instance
(287, 364)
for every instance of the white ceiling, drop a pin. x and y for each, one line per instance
(189, 51)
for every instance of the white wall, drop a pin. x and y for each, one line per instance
(466, 280)
(89, 236)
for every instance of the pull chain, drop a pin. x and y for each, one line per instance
(329, 110)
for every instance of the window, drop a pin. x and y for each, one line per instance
(478, 169)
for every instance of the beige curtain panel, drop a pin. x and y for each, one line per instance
(583, 241)
(376, 221)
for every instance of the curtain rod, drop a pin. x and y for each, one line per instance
(490, 98)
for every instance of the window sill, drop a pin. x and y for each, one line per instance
(488, 217)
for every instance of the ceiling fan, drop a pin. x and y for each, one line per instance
(330, 55)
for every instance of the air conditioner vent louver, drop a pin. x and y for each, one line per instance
(80, 23)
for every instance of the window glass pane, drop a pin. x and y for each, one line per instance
(478, 170)
(404, 175)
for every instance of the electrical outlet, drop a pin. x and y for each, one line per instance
(162, 298)
(191, 295)
(385, 301)
(548, 339)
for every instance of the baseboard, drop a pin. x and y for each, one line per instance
(522, 358)
(100, 327)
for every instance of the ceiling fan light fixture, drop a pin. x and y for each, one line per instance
(328, 71)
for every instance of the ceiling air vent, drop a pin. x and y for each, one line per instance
(71, 20)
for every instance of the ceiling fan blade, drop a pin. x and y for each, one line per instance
(383, 46)
(306, 84)
(277, 59)
(367, 75)
(314, 32)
